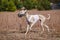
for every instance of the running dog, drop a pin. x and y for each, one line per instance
(32, 19)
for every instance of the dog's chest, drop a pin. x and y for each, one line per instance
(33, 18)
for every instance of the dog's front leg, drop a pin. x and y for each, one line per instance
(32, 25)
(28, 27)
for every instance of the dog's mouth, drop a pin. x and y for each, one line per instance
(19, 15)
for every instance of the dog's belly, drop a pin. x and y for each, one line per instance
(33, 18)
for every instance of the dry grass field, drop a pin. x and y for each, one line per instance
(13, 28)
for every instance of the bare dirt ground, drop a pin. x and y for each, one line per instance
(13, 28)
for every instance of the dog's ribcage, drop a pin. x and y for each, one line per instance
(33, 18)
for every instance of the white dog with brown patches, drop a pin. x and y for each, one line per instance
(32, 19)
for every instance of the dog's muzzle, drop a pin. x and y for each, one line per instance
(20, 15)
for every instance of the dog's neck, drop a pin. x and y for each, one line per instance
(27, 15)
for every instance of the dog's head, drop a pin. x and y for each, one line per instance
(22, 13)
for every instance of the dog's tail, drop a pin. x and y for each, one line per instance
(48, 16)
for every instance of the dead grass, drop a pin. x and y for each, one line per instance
(13, 28)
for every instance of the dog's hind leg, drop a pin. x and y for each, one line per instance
(42, 23)
(47, 27)
(42, 27)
